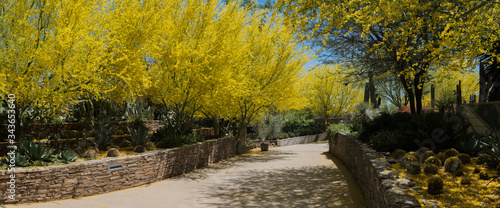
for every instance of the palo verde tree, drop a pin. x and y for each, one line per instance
(329, 92)
(407, 38)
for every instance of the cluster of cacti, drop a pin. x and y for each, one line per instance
(407, 160)
(433, 160)
(435, 185)
(441, 156)
(426, 155)
(413, 168)
(452, 164)
(451, 152)
(398, 154)
(416, 155)
(465, 158)
(430, 169)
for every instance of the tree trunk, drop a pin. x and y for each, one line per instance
(241, 138)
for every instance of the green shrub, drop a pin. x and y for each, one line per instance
(433, 160)
(452, 164)
(335, 128)
(407, 160)
(465, 158)
(398, 154)
(430, 169)
(435, 185)
(413, 168)
(67, 156)
(426, 155)
(451, 152)
(355, 126)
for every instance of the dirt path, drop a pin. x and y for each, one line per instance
(292, 176)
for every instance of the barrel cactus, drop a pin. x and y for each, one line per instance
(465, 158)
(415, 155)
(430, 169)
(398, 154)
(452, 164)
(483, 175)
(407, 159)
(482, 159)
(139, 149)
(413, 168)
(451, 152)
(426, 155)
(441, 156)
(113, 152)
(433, 160)
(423, 150)
(90, 154)
(435, 185)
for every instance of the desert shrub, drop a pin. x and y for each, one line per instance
(435, 185)
(433, 160)
(413, 168)
(465, 158)
(426, 155)
(430, 169)
(407, 160)
(451, 152)
(398, 154)
(452, 164)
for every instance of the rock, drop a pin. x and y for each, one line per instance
(405, 182)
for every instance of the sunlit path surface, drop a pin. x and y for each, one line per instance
(292, 176)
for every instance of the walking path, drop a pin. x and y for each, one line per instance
(291, 176)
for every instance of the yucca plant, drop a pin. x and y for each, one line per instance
(67, 156)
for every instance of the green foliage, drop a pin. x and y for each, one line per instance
(398, 154)
(430, 169)
(20, 160)
(270, 127)
(166, 139)
(300, 122)
(139, 110)
(435, 185)
(451, 152)
(433, 160)
(388, 109)
(67, 156)
(36, 151)
(409, 131)
(426, 155)
(336, 128)
(138, 134)
(407, 160)
(103, 136)
(355, 126)
(452, 164)
(413, 168)
(385, 141)
(465, 158)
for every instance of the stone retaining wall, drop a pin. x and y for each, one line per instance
(302, 140)
(379, 184)
(87, 178)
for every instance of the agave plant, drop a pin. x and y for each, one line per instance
(103, 135)
(138, 135)
(67, 156)
(36, 151)
(20, 160)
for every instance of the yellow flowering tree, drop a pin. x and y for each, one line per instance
(410, 37)
(329, 91)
